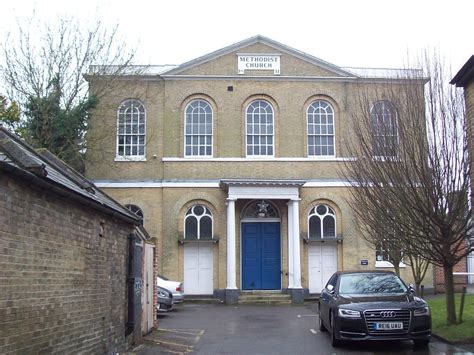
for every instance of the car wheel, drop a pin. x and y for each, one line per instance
(334, 341)
(420, 343)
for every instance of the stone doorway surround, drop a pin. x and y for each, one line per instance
(269, 190)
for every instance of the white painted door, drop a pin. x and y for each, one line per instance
(322, 263)
(198, 269)
(147, 289)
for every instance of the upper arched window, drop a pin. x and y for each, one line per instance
(136, 210)
(198, 129)
(383, 117)
(321, 222)
(259, 129)
(198, 223)
(131, 129)
(320, 116)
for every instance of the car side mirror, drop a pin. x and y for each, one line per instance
(411, 289)
(330, 289)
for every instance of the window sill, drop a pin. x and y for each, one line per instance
(322, 240)
(388, 264)
(186, 241)
(130, 158)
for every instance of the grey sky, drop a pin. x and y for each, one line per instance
(362, 33)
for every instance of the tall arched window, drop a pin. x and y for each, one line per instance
(321, 222)
(198, 129)
(383, 116)
(259, 129)
(131, 120)
(198, 223)
(320, 117)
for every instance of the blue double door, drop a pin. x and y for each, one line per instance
(261, 256)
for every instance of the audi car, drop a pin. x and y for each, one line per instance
(373, 305)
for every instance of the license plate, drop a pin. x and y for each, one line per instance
(389, 326)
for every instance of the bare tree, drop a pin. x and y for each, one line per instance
(43, 69)
(411, 167)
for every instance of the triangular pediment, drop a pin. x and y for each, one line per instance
(258, 56)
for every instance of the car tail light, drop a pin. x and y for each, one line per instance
(179, 288)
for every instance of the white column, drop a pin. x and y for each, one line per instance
(231, 272)
(290, 245)
(296, 244)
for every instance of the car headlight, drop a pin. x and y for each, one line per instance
(425, 311)
(348, 313)
(161, 294)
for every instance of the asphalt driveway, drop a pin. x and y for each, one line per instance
(244, 329)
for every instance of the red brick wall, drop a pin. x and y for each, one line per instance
(459, 281)
(62, 286)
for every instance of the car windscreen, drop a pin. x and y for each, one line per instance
(366, 284)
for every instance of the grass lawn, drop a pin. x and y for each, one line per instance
(463, 332)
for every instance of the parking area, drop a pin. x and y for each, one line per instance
(246, 329)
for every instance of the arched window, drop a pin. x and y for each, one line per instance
(321, 222)
(259, 129)
(131, 129)
(320, 117)
(383, 116)
(136, 210)
(198, 223)
(260, 209)
(198, 129)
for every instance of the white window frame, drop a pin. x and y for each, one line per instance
(321, 126)
(205, 214)
(124, 105)
(198, 135)
(378, 136)
(321, 219)
(259, 135)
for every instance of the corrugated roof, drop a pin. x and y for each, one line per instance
(17, 156)
(389, 73)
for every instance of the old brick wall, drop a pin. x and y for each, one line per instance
(459, 280)
(62, 276)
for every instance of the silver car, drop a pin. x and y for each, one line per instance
(165, 300)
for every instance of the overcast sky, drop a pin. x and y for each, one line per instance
(361, 33)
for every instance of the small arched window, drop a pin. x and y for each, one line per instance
(320, 118)
(131, 120)
(198, 223)
(198, 129)
(383, 117)
(259, 129)
(136, 210)
(322, 222)
(260, 209)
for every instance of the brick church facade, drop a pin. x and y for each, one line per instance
(233, 160)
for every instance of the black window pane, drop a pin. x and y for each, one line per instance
(315, 227)
(329, 227)
(191, 228)
(205, 228)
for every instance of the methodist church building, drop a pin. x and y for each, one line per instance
(233, 160)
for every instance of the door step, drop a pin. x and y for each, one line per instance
(264, 298)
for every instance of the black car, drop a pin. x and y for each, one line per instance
(372, 305)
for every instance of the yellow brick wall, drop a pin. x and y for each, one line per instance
(165, 101)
